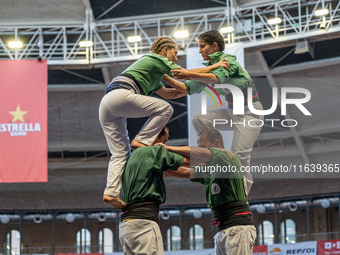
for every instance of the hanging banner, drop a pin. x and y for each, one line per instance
(329, 247)
(23, 121)
(303, 248)
(260, 250)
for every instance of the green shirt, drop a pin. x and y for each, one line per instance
(235, 75)
(222, 187)
(148, 71)
(143, 174)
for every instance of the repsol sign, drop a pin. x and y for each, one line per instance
(301, 251)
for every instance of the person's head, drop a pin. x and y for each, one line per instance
(210, 138)
(210, 42)
(166, 47)
(163, 136)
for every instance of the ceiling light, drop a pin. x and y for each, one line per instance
(274, 21)
(225, 30)
(321, 12)
(134, 39)
(85, 43)
(15, 45)
(181, 34)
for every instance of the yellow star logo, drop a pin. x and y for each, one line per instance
(18, 114)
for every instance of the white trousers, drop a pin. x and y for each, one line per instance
(140, 237)
(245, 135)
(238, 240)
(115, 107)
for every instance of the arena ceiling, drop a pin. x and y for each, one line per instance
(77, 149)
(39, 12)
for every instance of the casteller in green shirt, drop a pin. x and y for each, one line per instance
(148, 71)
(234, 75)
(225, 185)
(143, 174)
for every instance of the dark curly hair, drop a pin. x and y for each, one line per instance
(212, 36)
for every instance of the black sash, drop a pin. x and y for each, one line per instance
(146, 209)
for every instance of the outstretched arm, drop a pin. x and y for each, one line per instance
(181, 73)
(194, 153)
(207, 69)
(182, 172)
(200, 74)
(170, 93)
(180, 86)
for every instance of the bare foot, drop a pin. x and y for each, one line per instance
(116, 202)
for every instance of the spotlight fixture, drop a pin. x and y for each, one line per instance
(85, 43)
(181, 34)
(321, 12)
(101, 217)
(70, 217)
(197, 214)
(134, 39)
(293, 206)
(226, 30)
(5, 219)
(37, 218)
(325, 203)
(165, 215)
(274, 21)
(15, 45)
(261, 208)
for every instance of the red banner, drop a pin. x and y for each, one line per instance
(329, 247)
(23, 121)
(260, 250)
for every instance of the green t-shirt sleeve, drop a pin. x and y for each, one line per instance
(167, 66)
(194, 87)
(220, 154)
(225, 74)
(160, 85)
(200, 180)
(165, 160)
(201, 177)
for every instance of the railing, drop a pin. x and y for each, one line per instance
(185, 245)
(318, 236)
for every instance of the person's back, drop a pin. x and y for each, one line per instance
(143, 190)
(143, 174)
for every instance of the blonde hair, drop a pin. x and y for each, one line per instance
(162, 42)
